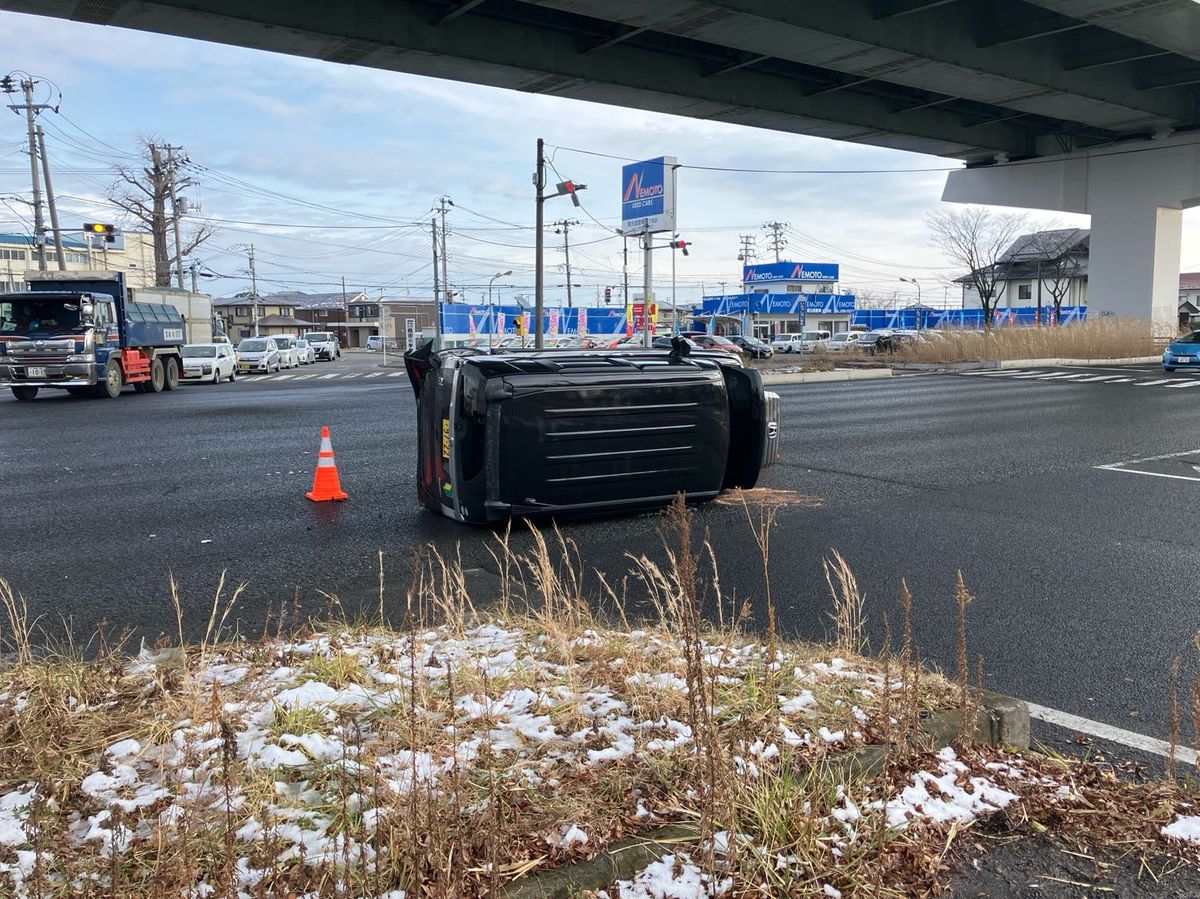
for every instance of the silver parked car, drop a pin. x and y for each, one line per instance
(257, 354)
(288, 358)
(305, 352)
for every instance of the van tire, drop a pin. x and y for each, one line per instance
(25, 394)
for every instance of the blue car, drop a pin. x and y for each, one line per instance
(1184, 352)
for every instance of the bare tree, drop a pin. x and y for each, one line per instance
(1059, 267)
(976, 237)
(143, 191)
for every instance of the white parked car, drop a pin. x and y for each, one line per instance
(325, 344)
(305, 352)
(840, 341)
(257, 354)
(212, 362)
(288, 357)
(781, 342)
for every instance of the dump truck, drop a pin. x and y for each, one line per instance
(81, 332)
(569, 433)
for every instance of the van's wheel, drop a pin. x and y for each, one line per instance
(110, 387)
(171, 374)
(157, 376)
(25, 394)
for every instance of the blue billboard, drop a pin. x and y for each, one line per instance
(795, 304)
(790, 271)
(648, 196)
(462, 321)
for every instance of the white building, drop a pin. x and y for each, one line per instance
(1036, 268)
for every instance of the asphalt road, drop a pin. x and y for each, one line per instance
(1085, 579)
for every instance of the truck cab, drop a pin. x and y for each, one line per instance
(80, 334)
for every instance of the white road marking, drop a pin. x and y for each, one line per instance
(350, 374)
(374, 374)
(1027, 377)
(1149, 474)
(304, 377)
(1093, 378)
(1184, 384)
(327, 377)
(283, 377)
(1195, 452)
(1152, 383)
(395, 374)
(1061, 375)
(1119, 380)
(1099, 729)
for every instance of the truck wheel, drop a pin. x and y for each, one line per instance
(110, 387)
(25, 394)
(155, 384)
(171, 374)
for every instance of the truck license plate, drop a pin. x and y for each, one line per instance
(35, 371)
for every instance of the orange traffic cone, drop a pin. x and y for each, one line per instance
(326, 485)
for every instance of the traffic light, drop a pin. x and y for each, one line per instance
(570, 188)
(607, 295)
(108, 232)
(681, 245)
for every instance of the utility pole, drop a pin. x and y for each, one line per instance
(625, 265)
(539, 278)
(254, 291)
(345, 314)
(58, 244)
(31, 109)
(192, 268)
(647, 287)
(564, 227)
(778, 241)
(437, 297)
(749, 249)
(175, 215)
(443, 202)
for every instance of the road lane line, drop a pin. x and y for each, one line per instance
(395, 374)
(1184, 384)
(1149, 474)
(1119, 381)
(1027, 377)
(1093, 378)
(327, 377)
(1112, 734)
(1152, 383)
(1061, 375)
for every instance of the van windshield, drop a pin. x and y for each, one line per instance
(52, 315)
(319, 337)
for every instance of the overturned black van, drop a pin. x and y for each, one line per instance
(579, 432)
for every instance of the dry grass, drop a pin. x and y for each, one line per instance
(1101, 338)
(452, 751)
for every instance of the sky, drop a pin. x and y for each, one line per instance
(333, 171)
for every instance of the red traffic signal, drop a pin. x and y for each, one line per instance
(681, 245)
(571, 188)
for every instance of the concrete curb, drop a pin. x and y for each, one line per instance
(1001, 720)
(814, 377)
(996, 365)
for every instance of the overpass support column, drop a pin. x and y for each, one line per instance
(1133, 266)
(1135, 195)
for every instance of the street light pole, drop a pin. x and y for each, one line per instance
(492, 308)
(539, 285)
(916, 284)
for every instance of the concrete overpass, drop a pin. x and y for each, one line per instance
(1004, 86)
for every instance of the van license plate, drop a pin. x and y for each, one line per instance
(35, 371)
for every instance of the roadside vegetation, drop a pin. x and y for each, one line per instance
(1102, 338)
(460, 749)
